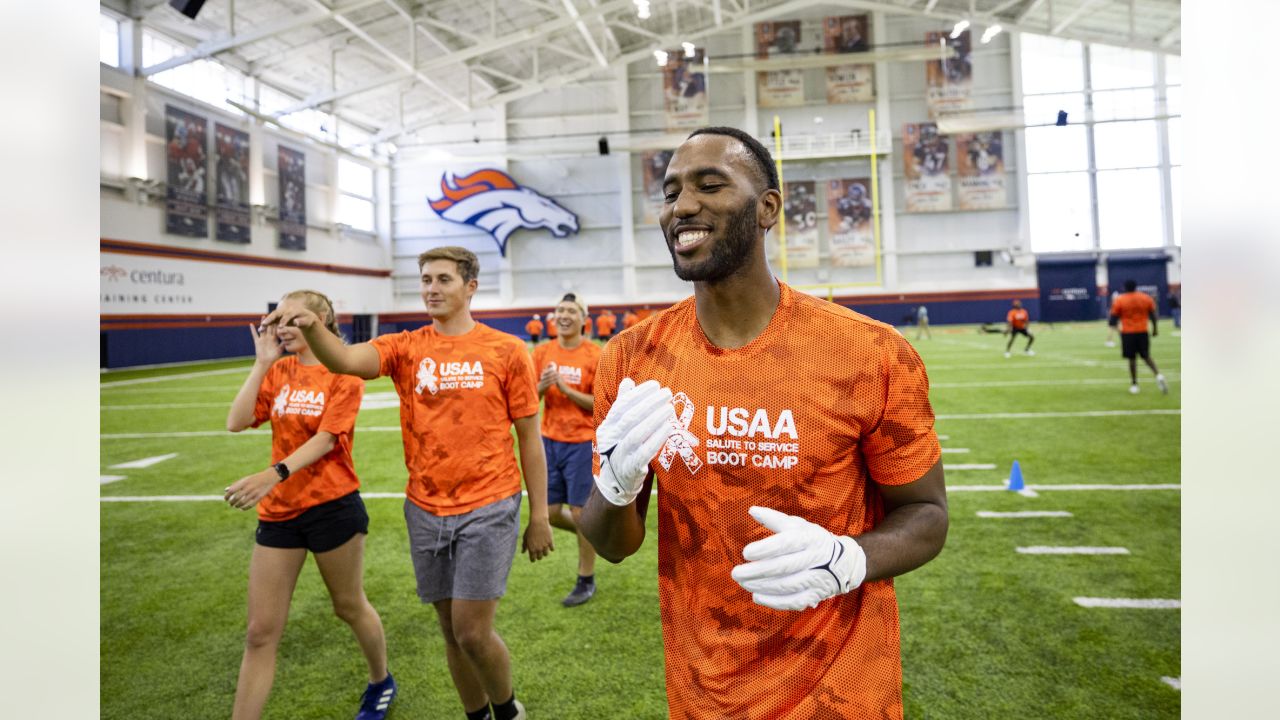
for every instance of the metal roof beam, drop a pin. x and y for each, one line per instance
(570, 8)
(1172, 36)
(1074, 15)
(1022, 16)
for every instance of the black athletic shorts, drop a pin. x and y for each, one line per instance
(319, 529)
(1019, 331)
(1135, 344)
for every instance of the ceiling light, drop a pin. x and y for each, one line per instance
(688, 49)
(661, 57)
(959, 28)
(991, 32)
(642, 9)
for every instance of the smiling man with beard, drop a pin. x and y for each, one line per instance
(798, 469)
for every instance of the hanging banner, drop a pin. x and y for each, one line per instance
(778, 88)
(684, 90)
(801, 207)
(849, 222)
(653, 166)
(292, 170)
(187, 195)
(948, 84)
(232, 207)
(847, 83)
(980, 165)
(925, 167)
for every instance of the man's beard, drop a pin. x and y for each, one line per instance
(728, 255)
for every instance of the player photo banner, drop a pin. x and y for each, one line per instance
(187, 196)
(849, 222)
(847, 83)
(948, 85)
(653, 166)
(980, 165)
(684, 90)
(292, 171)
(925, 168)
(778, 88)
(232, 205)
(801, 206)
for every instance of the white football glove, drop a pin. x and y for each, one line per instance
(637, 426)
(801, 565)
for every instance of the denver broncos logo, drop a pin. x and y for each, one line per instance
(493, 202)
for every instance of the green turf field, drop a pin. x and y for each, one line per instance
(987, 632)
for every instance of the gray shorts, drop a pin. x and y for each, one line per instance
(465, 556)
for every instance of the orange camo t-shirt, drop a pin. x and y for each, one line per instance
(300, 401)
(801, 419)
(1017, 318)
(563, 420)
(1133, 308)
(458, 397)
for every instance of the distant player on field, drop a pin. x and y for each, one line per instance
(1016, 324)
(462, 386)
(308, 500)
(922, 322)
(606, 324)
(567, 371)
(534, 328)
(629, 319)
(1133, 308)
(797, 466)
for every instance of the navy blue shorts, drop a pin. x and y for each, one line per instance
(320, 529)
(568, 472)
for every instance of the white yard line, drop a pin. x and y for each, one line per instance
(144, 462)
(1032, 383)
(1175, 683)
(107, 479)
(944, 437)
(970, 466)
(1129, 603)
(1024, 514)
(164, 406)
(1043, 488)
(1084, 550)
(177, 376)
(955, 450)
(167, 390)
(1038, 415)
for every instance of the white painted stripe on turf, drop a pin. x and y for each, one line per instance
(176, 376)
(1031, 383)
(106, 479)
(380, 400)
(158, 498)
(144, 462)
(1038, 415)
(1024, 514)
(970, 466)
(1028, 492)
(1084, 550)
(955, 450)
(1129, 603)
(164, 406)
(219, 433)
(1175, 683)
(1082, 487)
(944, 437)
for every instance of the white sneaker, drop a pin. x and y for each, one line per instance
(1031, 353)
(1133, 389)
(1008, 355)
(520, 713)
(1164, 386)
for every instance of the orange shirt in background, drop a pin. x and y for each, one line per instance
(552, 330)
(300, 401)
(586, 326)
(606, 324)
(458, 397)
(629, 320)
(533, 327)
(563, 420)
(644, 313)
(1017, 318)
(1133, 308)
(778, 424)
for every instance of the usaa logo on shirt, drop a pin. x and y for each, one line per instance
(434, 377)
(737, 437)
(298, 402)
(571, 375)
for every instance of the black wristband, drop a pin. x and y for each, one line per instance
(282, 470)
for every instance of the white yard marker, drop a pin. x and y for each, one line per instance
(1035, 383)
(380, 400)
(1042, 488)
(106, 479)
(970, 466)
(164, 406)
(1027, 492)
(1024, 514)
(179, 376)
(144, 462)
(1129, 603)
(218, 433)
(159, 498)
(1175, 683)
(1038, 415)
(944, 437)
(955, 450)
(1048, 550)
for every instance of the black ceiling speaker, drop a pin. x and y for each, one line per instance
(190, 8)
(603, 144)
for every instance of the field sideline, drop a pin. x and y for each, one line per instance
(992, 628)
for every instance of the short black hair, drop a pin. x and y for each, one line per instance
(764, 160)
(1130, 286)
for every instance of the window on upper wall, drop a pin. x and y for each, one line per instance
(1051, 65)
(1175, 199)
(1115, 67)
(1057, 149)
(1126, 145)
(1042, 109)
(1061, 212)
(1129, 209)
(108, 40)
(1135, 103)
(356, 197)
(206, 80)
(1175, 141)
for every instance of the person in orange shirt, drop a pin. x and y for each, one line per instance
(1016, 324)
(566, 383)
(823, 475)
(552, 330)
(629, 319)
(462, 386)
(534, 328)
(606, 324)
(1133, 308)
(587, 323)
(308, 499)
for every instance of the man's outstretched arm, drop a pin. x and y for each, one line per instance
(361, 359)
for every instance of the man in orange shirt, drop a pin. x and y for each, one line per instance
(566, 383)
(1016, 324)
(606, 324)
(534, 328)
(1133, 308)
(462, 386)
(823, 475)
(629, 319)
(587, 323)
(552, 330)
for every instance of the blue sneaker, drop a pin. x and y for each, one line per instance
(376, 699)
